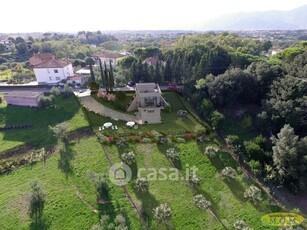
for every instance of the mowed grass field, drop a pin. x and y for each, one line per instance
(63, 209)
(226, 197)
(40, 119)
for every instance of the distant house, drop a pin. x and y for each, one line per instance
(107, 57)
(127, 53)
(81, 77)
(149, 102)
(23, 98)
(153, 61)
(49, 70)
(276, 51)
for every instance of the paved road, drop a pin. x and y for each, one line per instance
(91, 104)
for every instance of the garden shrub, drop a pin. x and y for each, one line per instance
(180, 140)
(146, 140)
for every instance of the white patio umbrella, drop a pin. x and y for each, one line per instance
(107, 124)
(130, 123)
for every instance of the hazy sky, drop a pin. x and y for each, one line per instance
(64, 15)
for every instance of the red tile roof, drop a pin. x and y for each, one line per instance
(52, 63)
(40, 58)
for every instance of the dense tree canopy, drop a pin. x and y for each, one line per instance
(289, 158)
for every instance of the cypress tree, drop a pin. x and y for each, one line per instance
(90, 62)
(92, 73)
(106, 77)
(102, 74)
(111, 77)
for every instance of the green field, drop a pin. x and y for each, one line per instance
(63, 209)
(39, 134)
(71, 199)
(226, 197)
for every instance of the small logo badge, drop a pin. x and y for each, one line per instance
(282, 219)
(120, 174)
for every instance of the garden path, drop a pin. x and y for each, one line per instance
(92, 105)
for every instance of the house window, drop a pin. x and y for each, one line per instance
(150, 110)
(48, 71)
(50, 78)
(57, 78)
(55, 71)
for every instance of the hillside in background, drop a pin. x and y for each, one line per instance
(267, 20)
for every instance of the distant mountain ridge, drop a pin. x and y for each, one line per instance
(266, 20)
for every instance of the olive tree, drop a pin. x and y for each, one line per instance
(128, 158)
(162, 213)
(253, 193)
(142, 184)
(36, 201)
(229, 173)
(172, 154)
(211, 151)
(201, 202)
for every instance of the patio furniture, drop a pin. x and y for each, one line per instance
(100, 128)
(107, 124)
(116, 127)
(130, 124)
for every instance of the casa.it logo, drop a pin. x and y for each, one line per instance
(120, 174)
(282, 219)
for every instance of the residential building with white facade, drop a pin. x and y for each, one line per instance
(49, 70)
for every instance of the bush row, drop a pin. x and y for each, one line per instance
(8, 127)
(152, 137)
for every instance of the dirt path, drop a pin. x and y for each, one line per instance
(127, 192)
(85, 201)
(92, 105)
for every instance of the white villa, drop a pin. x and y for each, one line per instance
(149, 102)
(49, 70)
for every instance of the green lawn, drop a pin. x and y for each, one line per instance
(226, 197)
(63, 209)
(119, 105)
(41, 119)
(171, 120)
